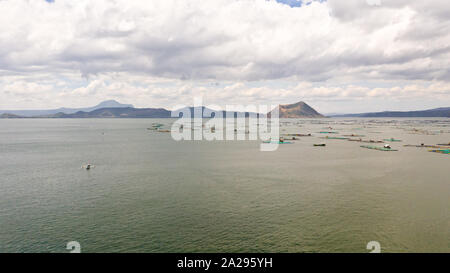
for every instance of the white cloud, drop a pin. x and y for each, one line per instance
(150, 51)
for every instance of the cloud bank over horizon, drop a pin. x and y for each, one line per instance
(341, 56)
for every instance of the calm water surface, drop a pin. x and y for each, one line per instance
(149, 193)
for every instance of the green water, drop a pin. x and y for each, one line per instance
(149, 193)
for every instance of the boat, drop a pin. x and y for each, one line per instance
(353, 135)
(340, 138)
(392, 140)
(292, 138)
(447, 151)
(320, 145)
(328, 132)
(372, 141)
(385, 149)
(297, 135)
(88, 166)
(155, 126)
(422, 146)
(278, 142)
(365, 141)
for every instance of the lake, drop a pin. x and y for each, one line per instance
(149, 193)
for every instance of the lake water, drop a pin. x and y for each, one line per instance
(149, 193)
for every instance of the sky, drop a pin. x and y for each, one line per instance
(338, 56)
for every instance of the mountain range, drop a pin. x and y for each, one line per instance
(114, 109)
(437, 112)
(35, 113)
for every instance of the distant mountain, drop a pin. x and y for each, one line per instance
(6, 115)
(128, 112)
(31, 113)
(133, 113)
(437, 112)
(114, 109)
(442, 108)
(207, 112)
(297, 110)
(109, 104)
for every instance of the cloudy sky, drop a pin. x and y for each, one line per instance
(339, 56)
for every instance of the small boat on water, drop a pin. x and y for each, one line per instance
(328, 132)
(155, 126)
(340, 138)
(372, 141)
(385, 148)
(353, 135)
(298, 135)
(88, 167)
(320, 145)
(278, 142)
(422, 146)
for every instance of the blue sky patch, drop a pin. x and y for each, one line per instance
(297, 3)
(292, 3)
